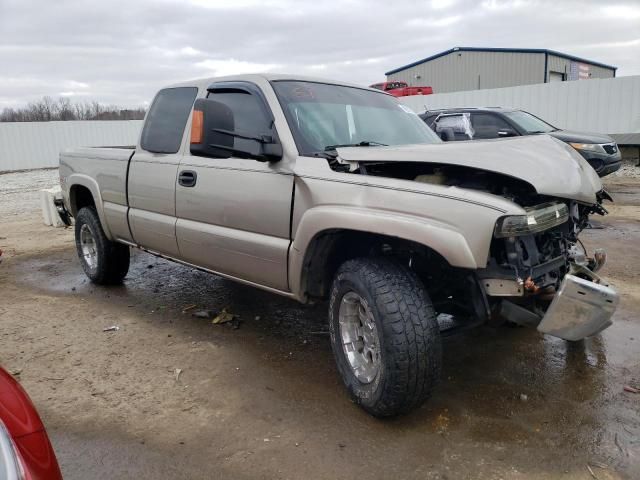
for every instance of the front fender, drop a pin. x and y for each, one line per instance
(440, 237)
(90, 183)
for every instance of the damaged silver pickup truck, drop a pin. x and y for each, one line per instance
(315, 190)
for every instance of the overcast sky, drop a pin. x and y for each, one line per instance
(121, 52)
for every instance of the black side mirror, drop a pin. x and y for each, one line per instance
(507, 132)
(213, 134)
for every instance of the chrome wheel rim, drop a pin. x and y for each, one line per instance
(359, 336)
(88, 247)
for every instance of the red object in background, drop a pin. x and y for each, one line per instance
(401, 89)
(26, 432)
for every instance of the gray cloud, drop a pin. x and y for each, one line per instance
(120, 52)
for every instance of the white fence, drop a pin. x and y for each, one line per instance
(609, 105)
(29, 145)
(601, 105)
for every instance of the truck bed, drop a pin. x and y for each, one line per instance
(106, 167)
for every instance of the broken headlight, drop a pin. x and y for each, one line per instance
(537, 219)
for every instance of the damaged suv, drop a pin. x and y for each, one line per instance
(316, 190)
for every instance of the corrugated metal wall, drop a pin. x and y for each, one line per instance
(469, 70)
(601, 105)
(465, 70)
(563, 65)
(28, 145)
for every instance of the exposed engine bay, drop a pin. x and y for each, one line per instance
(530, 255)
(541, 258)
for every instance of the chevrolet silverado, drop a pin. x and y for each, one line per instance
(320, 190)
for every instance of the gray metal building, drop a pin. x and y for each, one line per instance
(467, 68)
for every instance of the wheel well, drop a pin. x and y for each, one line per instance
(331, 248)
(79, 197)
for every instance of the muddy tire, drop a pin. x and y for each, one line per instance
(104, 262)
(384, 335)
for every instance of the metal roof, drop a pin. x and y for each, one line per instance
(504, 50)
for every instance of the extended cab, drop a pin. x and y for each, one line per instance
(401, 89)
(315, 190)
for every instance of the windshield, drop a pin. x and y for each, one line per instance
(322, 116)
(529, 123)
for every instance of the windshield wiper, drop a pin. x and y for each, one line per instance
(364, 143)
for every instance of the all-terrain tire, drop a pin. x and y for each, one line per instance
(410, 345)
(111, 260)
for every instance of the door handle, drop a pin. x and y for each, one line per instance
(187, 178)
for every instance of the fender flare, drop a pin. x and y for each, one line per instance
(436, 235)
(89, 183)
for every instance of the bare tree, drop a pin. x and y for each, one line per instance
(48, 109)
(64, 109)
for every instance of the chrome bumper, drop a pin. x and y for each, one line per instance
(580, 309)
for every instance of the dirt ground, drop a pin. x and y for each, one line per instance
(264, 400)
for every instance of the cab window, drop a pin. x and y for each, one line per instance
(250, 113)
(167, 117)
(454, 126)
(487, 125)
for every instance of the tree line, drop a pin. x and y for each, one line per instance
(49, 109)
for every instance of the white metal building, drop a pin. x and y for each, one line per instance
(466, 68)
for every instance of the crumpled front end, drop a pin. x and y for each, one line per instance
(540, 275)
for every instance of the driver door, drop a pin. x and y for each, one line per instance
(233, 213)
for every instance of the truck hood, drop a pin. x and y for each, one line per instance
(551, 166)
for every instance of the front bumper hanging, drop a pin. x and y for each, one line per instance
(580, 309)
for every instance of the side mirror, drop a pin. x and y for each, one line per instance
(213, 134)
(507, 132)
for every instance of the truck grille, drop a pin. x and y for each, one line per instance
(610, 148)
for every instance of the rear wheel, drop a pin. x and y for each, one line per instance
(103, 261)
(384, 335)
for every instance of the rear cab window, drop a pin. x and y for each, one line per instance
(167, 118)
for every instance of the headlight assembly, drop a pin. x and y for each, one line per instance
(537, 219)
(588, 147)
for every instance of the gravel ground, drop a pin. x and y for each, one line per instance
(627, 171)
(19, 191)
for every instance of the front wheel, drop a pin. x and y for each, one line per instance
(384, 335)
(103, 261)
